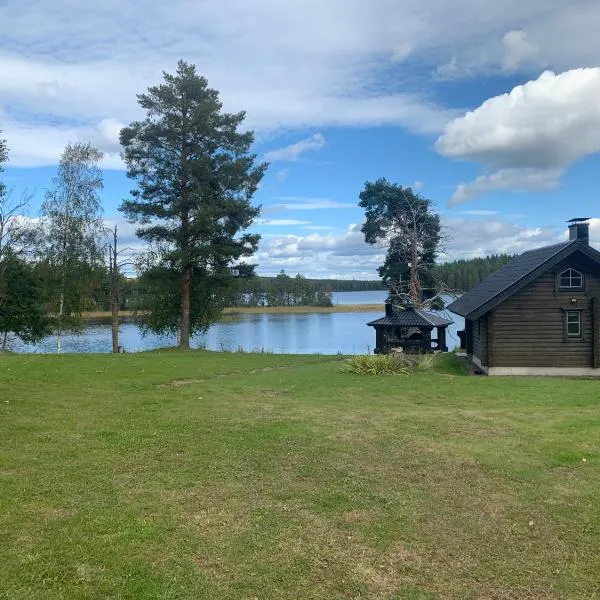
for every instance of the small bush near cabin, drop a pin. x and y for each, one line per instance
(374, 364)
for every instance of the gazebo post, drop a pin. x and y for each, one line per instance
(441, 335)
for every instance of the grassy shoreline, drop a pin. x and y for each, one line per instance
(208, 476)
(241, 310)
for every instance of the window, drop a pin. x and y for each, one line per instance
(571, 280)
(573, 324)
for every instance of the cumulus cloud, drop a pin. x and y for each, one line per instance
(329, 253)
(294, 151)
(346, 254)
(528, 137)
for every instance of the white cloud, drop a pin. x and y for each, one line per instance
(294, 151)
(518, 50)
(344, 254)
(319, 227)
(281, 175)
(471, 239)
(280, 222)
(479, 213)
(293, 64)
(417, 185)
(347, 255)
(528, 137)
(33, 145)
(303, 203)
(520, 36)
(506, 179)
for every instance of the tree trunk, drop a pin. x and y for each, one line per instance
(115, 299)
(61, 309)
(115, 328)
(415, 286)
(184, 332)
(4, 341)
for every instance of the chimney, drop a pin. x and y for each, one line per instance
(579, 230)
(389, 309)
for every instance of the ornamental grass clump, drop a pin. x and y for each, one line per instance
(374, 364)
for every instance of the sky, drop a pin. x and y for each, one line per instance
(489, 109)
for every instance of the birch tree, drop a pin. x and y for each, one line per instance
(72, 251)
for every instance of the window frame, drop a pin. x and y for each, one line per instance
(571, 288)
(571, 337)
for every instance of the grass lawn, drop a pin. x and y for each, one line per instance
(246, 476)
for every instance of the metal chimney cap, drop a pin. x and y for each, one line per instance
(579, 220)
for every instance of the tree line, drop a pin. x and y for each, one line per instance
(464, 274)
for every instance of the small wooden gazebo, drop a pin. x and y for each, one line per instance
(410, 329)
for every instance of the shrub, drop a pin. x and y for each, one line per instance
(374, 364)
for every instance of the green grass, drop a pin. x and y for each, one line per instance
(206, 476)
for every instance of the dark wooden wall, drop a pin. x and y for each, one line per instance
(480, 339)
(527, 330)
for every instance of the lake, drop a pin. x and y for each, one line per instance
(323, 333)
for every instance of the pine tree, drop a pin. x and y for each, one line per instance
(403, 222)
(195, 177)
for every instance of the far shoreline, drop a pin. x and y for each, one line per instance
(273, 310)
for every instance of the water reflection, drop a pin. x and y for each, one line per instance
(324, 333)
(297, 334)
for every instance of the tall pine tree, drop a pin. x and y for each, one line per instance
(403, 222)
(195, 177)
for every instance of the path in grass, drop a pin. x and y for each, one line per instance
(271, 476)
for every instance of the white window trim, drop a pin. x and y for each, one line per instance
(571, 272)
(579, 322)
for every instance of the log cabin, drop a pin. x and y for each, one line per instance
(539, 314)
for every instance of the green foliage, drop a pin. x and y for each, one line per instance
(462, 275)
(374, 364)
(71, 251)
(195, 177)
(22, 311)
(282, 290)
(404, 222)
(163, 299)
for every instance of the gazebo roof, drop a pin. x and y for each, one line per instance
(410, 317)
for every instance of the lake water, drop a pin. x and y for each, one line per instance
(323, 333)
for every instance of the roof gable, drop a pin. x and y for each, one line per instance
(514, 275)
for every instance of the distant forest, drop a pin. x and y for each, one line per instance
(284, 290)
(462, 275)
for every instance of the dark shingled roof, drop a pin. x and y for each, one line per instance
(510, 278)
(410, 317)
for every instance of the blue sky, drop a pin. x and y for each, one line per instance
(489, 109)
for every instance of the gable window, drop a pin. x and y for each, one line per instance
(571, 280)
(573, 328)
